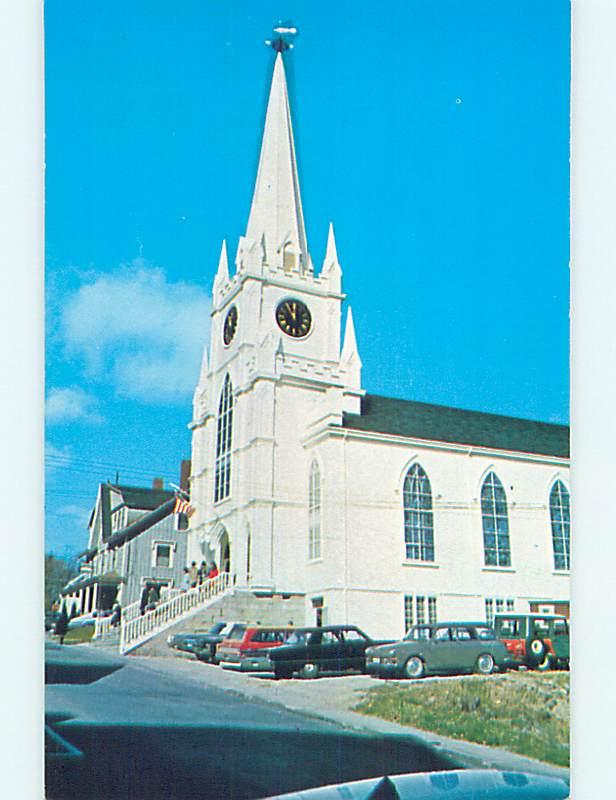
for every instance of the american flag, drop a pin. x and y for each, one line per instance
(183, 507)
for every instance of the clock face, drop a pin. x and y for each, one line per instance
(230, 326)
(293, 318)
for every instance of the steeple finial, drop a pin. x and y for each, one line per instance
(276, 211)
(283, 39)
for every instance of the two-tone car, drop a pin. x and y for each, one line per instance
(537, 641)
(330, 648)
(443, 648)
(248, 648)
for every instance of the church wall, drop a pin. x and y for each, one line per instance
(365, 525)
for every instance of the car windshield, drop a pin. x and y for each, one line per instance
(217, 628)
(485, 633)
(237, 632)
(297, 637)
(511, 626)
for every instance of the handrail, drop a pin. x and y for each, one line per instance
(103, 627)
(143, 626)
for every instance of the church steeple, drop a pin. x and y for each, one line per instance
(276, 220)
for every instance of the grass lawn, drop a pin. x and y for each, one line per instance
(76, 635)
(524, 712)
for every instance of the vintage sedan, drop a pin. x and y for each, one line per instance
(442, 648)
(331, 648)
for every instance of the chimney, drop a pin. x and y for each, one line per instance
(158, 483)
(185, 475)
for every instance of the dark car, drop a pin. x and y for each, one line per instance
(201, 643)
(538, 641)
(442, 648)
(332, 648)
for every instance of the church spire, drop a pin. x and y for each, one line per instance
(349, 347)
(222, 274)
(276, 212)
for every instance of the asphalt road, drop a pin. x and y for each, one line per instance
(146, 729)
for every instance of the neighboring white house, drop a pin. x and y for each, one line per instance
(382, 512)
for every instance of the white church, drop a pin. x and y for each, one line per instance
(376, 511)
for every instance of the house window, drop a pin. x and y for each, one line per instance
(418, 522)
(162, 554)
(224, 430)
(314, 512)
(560, 519)
(496, 548)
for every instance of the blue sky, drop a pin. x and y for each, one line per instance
(435, 135)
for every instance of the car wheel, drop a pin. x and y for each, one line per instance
(536, 653)
(309, 671)
(546, 664)
(282, 673)
(414, 667)
(485, 664)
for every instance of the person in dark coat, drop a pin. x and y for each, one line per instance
(144, 599)
(152, 598)
(116, 615)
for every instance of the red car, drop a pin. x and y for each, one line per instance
(247, 647)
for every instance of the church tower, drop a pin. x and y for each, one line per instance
(277, 373)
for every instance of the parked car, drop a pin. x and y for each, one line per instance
(442, 648)
(331, 648)
(201, 643)
(248, 647)
(538, 641)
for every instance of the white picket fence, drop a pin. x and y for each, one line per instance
(137, 628)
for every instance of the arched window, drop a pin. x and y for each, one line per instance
(224, 430)
(418, 519)
(314, 512)
(560, 519)
(497, 552)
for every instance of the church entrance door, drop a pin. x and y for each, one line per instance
(225, 553)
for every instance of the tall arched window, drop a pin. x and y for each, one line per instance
(224, 430)
(497, 552)
(418, 519)
(560, 519)
(314, 512)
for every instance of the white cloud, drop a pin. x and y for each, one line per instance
(71, 404)
(135, 328)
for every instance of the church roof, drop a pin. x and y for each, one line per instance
(143, 498)
(143, 523)
(456, 425)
